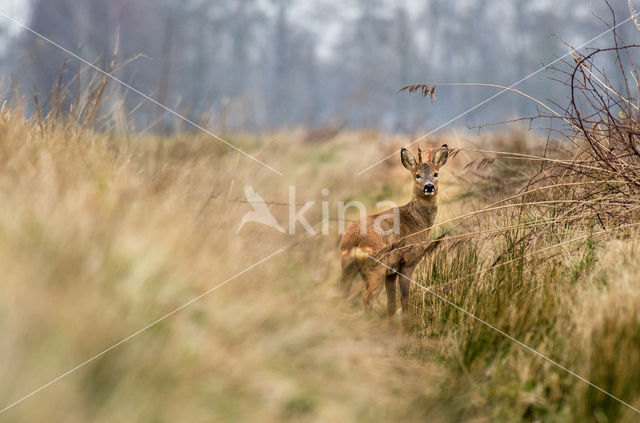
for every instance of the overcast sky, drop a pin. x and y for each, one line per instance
(16, 8)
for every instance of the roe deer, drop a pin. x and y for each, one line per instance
(416, 217)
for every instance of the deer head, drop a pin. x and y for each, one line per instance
(425, 174)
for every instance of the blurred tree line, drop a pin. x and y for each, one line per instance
(263, 64)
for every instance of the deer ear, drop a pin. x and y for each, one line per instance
(408, 160)
(441, 155)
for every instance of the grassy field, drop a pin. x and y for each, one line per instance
(102, 234)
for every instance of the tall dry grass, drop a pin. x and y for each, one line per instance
(101, 234)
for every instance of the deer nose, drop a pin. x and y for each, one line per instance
(429, 187)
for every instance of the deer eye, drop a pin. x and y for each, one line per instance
(418, 177)
(435, 175)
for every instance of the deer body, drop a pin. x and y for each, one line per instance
(403, 250)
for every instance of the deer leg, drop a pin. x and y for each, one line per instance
(406, 273)
(349, 271)
(390, 286)
(374, 285)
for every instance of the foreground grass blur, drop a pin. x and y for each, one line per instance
(102, 234)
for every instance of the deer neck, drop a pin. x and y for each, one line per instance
(420, 213)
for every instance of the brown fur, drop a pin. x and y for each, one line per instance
(356, 248)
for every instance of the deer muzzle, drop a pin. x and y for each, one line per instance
(429, 189)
